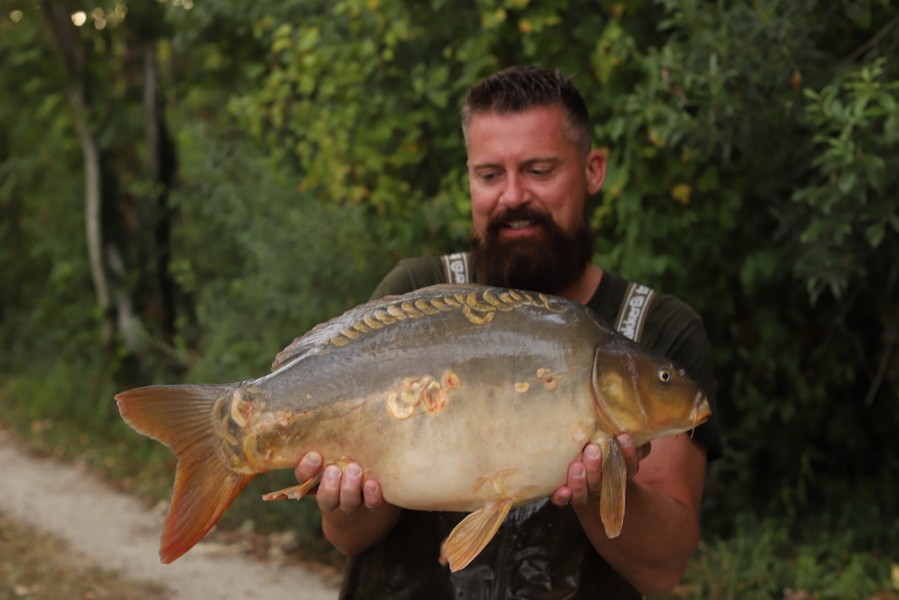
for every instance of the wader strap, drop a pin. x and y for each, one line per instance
(632, 313)
(455, 267)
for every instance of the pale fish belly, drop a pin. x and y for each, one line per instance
(485, 444)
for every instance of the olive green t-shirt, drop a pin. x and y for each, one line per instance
(541, 550)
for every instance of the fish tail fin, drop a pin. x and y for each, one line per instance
(181, 417)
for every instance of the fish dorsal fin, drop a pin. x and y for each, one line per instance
(614, 484)
(479, 304)
(339, 330)
(472, 534)
(299, 347)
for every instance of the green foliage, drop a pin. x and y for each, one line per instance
(750, 148)
(89, 397)
(763, 560)
(849, 213)
(263, 261)
(46, 306)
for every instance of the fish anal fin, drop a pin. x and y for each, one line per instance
(294, 492)
(181, 417)
(472, 534)
(614, 485)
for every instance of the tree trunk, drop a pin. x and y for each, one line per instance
(59, 20)
(128, 227)
(159, 168)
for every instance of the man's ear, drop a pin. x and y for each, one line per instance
(596, 170)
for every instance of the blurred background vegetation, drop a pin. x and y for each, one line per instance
(186, 185)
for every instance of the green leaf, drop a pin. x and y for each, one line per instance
(874, 234)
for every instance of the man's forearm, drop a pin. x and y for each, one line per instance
(658, 538)
(661, 522)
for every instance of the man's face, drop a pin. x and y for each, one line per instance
(529, 185)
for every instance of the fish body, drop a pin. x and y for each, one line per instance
(455, 398)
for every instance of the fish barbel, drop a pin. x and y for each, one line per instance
(453, 397)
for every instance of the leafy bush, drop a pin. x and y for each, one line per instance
(263, 260)
(763, 560)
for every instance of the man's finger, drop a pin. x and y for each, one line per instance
(371, 494)
(577, 482)
(328, 496)
(592, 459)
(561, 497)
(630, 453)
(308, 467)
(351, 488)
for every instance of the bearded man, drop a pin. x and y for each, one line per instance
(532, 172)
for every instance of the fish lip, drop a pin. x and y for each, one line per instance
(700, 412)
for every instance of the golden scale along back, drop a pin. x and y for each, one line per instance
(478, 305)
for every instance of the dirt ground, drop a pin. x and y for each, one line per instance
(90, 528)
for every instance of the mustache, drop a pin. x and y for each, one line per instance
(518, 214)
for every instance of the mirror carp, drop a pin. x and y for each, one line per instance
(454, 397)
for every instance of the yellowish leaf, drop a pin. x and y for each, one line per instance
(682, 193)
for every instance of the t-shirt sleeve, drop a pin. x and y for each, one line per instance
(410, 274)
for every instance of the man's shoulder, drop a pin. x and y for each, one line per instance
(620, 300)
(411, 274)
(669, 308)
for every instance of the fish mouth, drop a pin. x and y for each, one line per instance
(700, 412)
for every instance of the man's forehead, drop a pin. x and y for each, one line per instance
(522, 137)
(541, 160)
(533, 124)
(548, 113)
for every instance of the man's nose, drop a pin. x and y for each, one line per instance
(514, 193)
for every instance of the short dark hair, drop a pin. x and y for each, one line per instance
(519, 88)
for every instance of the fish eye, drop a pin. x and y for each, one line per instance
(664, 374)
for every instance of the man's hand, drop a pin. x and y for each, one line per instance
(585, 472)
(341, 493)
(345, 488)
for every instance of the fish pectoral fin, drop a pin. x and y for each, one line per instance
(294, 492)
(472, 534)
(614, 484)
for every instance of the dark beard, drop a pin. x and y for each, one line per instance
(548, 263)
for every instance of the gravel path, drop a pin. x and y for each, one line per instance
(119, 533)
